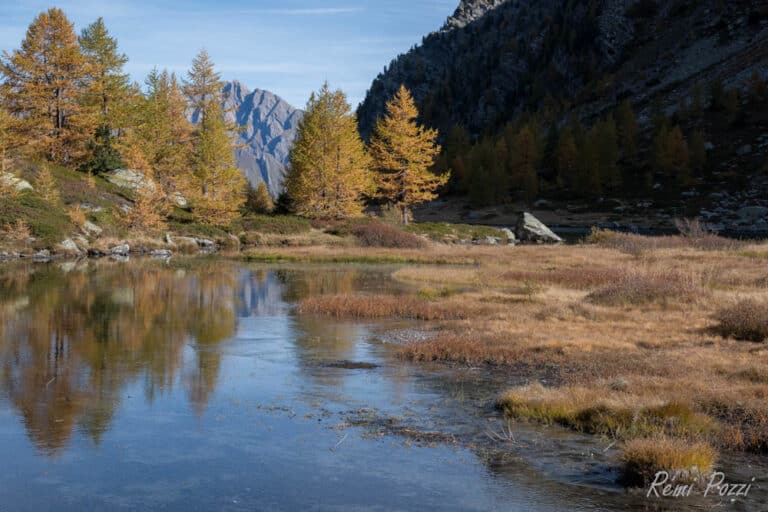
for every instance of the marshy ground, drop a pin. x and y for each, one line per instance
(656, 344)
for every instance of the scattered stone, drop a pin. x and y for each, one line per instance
(130, 179)
(179, 200)
(490, 240)
(709, 146)
(511, 238)
(120, 250)
(43, 256)
(9, 180)
(752, 213)
(91, 229)
(161, 253)
(69, 247)
(205, 243)
(531, 229)
(746, 149)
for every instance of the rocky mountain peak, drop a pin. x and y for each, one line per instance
(269, 126)
(470, 10)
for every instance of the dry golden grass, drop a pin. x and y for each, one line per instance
(643, 458)
(638, 343)
(384, 306)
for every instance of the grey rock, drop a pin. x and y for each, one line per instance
(205, 243)
(531, 229)
(91, 229)
(9, 180)
(510, 235)
(490, 240)
(746, 149)
(752, 213)
(179, 200)
(161, 253)
(130, 179)
(42, 256)
(68, 246)
(709, 146)
(120, 250)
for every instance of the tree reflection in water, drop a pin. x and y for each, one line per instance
(72, 339)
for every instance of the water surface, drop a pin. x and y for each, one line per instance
(195, 385)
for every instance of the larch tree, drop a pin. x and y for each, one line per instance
(259, 200)
(628, 129)
(106, 94)
(404, 153)
(330, 170)
(672, 155)
(43, 86)
(215, 186)
(9, 139)
(524, 161)
(160, 140)
(566, 157)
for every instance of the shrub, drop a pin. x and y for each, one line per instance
(685, 460)
(694, 236)
(745, 320)
(636, 287)
(378, 234)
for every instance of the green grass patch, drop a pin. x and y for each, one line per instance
(445, 232)
(49, 223)
(296, 257)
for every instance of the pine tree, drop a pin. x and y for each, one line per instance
(43, 87)
(524, 162)
(259, 200)
(455, 150)
(216, 186)
(330, 170)
(403, 153)
(106, 94)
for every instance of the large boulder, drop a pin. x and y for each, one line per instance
(9, 180)
(531, 229)
(130, 179)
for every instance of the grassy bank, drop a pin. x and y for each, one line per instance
(649, 343)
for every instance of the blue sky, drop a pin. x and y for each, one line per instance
(289, 47)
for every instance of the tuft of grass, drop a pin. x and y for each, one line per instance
(635, 287)
(378, 234)
(745, 320)
(584, 411)
(382, 306)
(48, 222)
(363, 256)
(462, 349)
(687, 461)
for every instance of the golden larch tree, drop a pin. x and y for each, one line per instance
(330, 170)
(404, 153)
(43, 85)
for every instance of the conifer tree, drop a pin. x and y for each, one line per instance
(43, 87)
(330, 170)
(608, 154)
(259, 200)
(216, 186)
(106, 94)
(160, 141)
(46, 185)
(672, 156)
(588, 176)
(8, 138)
(524, 162)
(149, 210)
(203, 84)
(566, 158)
(626, 122)
(403, 153)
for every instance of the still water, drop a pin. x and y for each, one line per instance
(195, 385)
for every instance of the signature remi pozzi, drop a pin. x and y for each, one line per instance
(664, 485)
